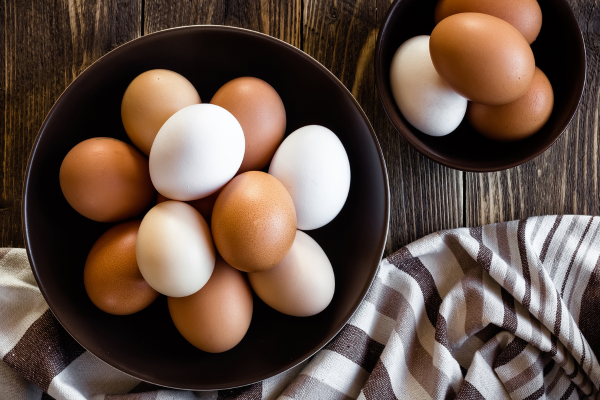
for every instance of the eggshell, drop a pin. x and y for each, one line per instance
(106, 180)
(253, 222)
(525, 15)
(196, 152)
(111, 275)
(260, 112)
(482, 58)
(422, 96)
(519, 119)
(175, 251)
(302, 284)
(215, 318)
(152, 98)
(313, 166)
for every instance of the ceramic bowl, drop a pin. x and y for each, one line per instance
(146, 344)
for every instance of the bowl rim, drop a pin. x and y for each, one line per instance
(390, 108)
(381, 244)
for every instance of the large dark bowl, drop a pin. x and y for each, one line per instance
(559, 52)
(147, 345)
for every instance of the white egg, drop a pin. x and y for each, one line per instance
(197, 151)
(313, 165)
(302, 284)
(422, 96)
(174, 249)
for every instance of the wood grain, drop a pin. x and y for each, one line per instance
(562, 180)
(45, 45)
(425, 196)
(280, 19)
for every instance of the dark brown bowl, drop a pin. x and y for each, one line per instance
(559, 52)
(147, 345)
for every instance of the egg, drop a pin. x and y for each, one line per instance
(196, 152)
(302, 284)
(260, 112)
(422, 96)
(525, 15)
(149, 100)
(215, 318)
(174, 249)
(313, 166)
(111, 275)
(482, 58)
(106, 180)
(253, 222)
(519, 119)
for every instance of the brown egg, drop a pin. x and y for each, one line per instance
(260, 112)
(215, 318)
(204, 205)
(106, 180)
(525, 15)
(150, 99)
(254, 222)
(482, 58)
(111, 275)
(519, 119)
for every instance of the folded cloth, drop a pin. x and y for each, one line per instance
(509, 310)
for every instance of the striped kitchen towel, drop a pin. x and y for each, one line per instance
(509, 310)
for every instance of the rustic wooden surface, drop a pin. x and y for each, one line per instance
(46, 44)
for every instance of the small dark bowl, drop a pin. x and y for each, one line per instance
(146, 344)
(559, 52)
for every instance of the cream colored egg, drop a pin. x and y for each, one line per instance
(174, 249)
(302, 284)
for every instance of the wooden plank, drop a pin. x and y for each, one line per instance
(564, 179)
(45, 45)
(280, 19)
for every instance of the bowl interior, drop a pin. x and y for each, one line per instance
(559, 52)
(147, 345)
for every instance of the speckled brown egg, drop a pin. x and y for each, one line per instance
(254, 222)
(482, 58)
(106, 180)
(111, 275)
(260, 111)
(151, 99)
(525, 15)
(204, 205)
(215, 318)
(519, 119)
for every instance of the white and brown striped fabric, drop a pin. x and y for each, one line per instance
(510, 310)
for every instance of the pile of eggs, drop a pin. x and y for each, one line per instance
(218, 227)
(477, 62)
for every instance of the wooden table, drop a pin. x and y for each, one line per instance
(45, 44)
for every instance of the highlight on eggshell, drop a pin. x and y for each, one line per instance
(422, 96)
(174, 249)
(149, 100)
(313, 166)
(196, 152)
